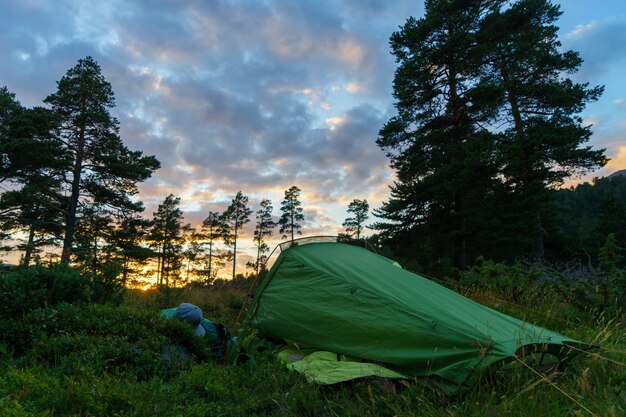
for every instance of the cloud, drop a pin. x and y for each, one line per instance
(602, 45)
(618, 160)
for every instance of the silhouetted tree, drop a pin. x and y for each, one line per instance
(360, 210)
(236, 215)
(102, 170)
(542, 131)
(487, 124)
(127, 242)
(167, 236)
(264, 228)
(212, 232)
(292, 213)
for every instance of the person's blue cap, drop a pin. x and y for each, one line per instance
(192, 315)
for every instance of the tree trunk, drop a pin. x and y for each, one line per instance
(70, 224)
(160, 267)
(125, 272)
(235, 251)
(188, 266)
(459, 241)
(258, 257)
(538, 246)
(95, 255)
(210, 261)
(165, 271)
(30, 245)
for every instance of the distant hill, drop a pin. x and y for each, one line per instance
(620, 173)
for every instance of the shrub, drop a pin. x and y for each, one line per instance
(106, 284)
(27, 289)
(509, 280)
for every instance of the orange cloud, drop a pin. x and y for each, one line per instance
(618, 161)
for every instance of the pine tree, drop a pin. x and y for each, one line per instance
(167, 236)
(264, 228)
(101, 169)
(354, 225)
(212, 232)
(127, 242)
(94, 227)
(292, 213)
(539, 113)
(33, 213)
(30, 164)
(442, 155)
(487, 124)
(193, 250)
(236, 215)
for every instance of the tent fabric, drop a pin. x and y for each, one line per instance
(341, 298)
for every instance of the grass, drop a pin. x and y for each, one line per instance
(97, 360)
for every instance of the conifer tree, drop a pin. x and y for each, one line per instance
(35, 215)
(292, 213)
(543, 133)
(488, 123)
(212, 232)
(94, 227)
(101, 168)
(264, 228)
(127, 244)
(440, 152)
(354, 225)
(236, 215)
(167, 236)
(31, 163)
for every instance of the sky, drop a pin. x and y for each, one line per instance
(261, 95)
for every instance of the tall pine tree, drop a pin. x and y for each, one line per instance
(264, 228)
(127, 242)
(236, 215)
(442, 155)
(360, 210)
(543, 133)
(487, 124)
(102, 170)
(292, 213)
(212, 232)
(167, 237)
(32, 164)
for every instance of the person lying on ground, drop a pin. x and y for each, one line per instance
(213, 332)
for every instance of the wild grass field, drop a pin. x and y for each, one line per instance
(99, 359)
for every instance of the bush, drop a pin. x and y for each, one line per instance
(34, 287)
(509, 280)
(27, 289)
(107, 284)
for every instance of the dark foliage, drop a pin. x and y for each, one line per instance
(488, 123)
(27, 289)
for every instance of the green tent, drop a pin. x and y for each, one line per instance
(345, 299)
